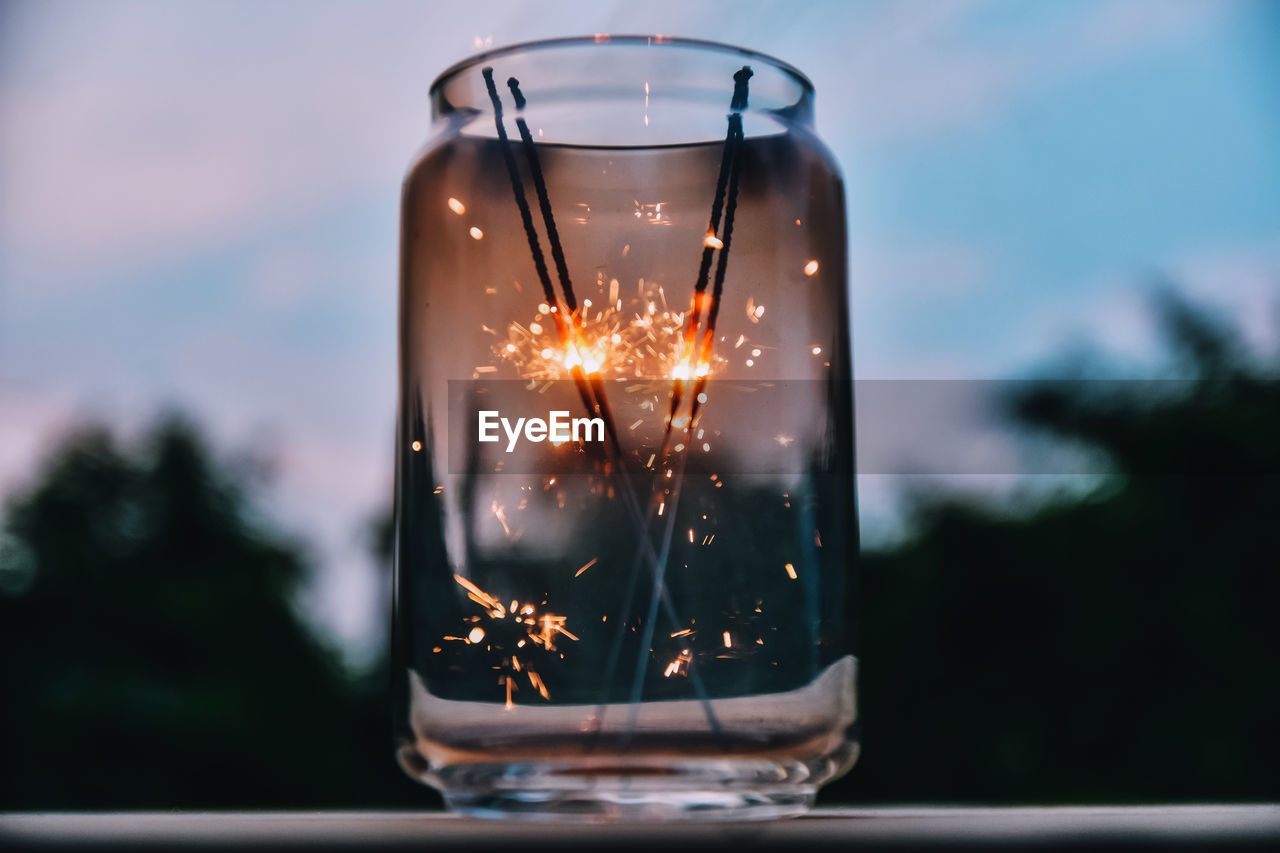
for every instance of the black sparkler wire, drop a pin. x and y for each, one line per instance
(700, 285)
(727, 158)
(601, 400)
(729, 165)
(544, 202)
(557, 253)
(722, 264)
(517, 189)
(722, 181)
(531, 235)
(740, 79)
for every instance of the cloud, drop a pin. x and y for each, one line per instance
(161, 131)
(1113, 316)
(912, 70)
(1244, 281)
(178, 133)
(28, 431)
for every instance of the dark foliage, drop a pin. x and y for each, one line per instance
(152, 657)
(1117, 648)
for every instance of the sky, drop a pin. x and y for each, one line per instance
(199, 205)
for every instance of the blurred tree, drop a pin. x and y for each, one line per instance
(152, 654)
(1116, 648)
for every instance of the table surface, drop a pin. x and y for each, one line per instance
(1144, 827)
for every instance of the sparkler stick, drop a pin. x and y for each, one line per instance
(601, 407)
(727, 179)
(729, 171)
(526, 218)
(713, 313)
(544, 203)
(728, 164)
(535, 247)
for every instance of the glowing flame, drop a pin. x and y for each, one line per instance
(644, 340)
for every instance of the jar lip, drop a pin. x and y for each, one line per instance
(602, 39)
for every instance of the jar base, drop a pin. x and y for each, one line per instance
(684, 791)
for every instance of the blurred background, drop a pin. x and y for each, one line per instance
(198, 248)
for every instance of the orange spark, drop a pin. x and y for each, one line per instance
(479, 596)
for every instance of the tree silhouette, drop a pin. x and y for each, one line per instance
(1119, 647)
(153, 657)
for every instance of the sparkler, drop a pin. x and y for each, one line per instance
(727, 180)
(569, 332)
(713, 312)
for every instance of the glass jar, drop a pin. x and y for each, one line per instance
(626, 532)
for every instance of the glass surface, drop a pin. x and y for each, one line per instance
(652, 617)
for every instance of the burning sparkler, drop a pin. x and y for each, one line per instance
(637, 338)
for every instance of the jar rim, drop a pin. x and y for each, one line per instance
(630, 40)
